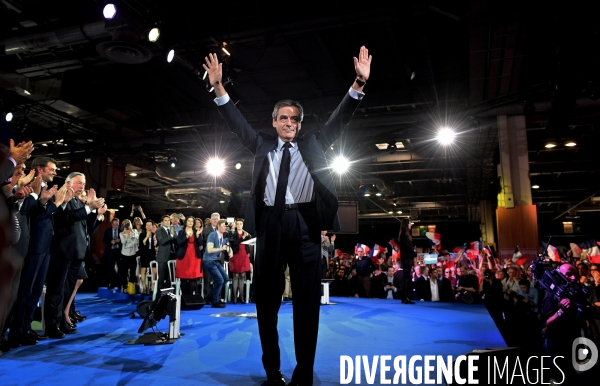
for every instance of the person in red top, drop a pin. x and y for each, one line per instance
(239, 263)
(189, 254)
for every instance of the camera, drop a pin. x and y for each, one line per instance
(230, 235)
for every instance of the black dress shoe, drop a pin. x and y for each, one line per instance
(218, 305)
(28, 340)
(68, 329)
(35, 335)
(407, 301)
(275, 379)
(54, 333)
(78, 318)
(78, 314)
(241, 300)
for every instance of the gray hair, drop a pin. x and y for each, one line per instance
(215, 214)
(73, 175)
(288, 102)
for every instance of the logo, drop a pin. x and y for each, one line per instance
(584, 354)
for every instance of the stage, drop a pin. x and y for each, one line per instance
(225, 350)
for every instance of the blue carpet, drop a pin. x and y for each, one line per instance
(226, 350)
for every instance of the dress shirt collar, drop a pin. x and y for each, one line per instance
(280, 144)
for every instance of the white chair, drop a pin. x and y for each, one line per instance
(154, 268)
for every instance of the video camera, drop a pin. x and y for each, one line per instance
(554, 282)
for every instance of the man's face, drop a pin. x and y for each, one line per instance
(166, 222)
(115, 224)
(500, 275)
(447, 272)
(78, 185)
(287, 123)
(570, 272)
(323, 233)
(239, 225)
(360, 252)
(425, 271)
(463, 271)
(524, 288)
(439, 271)
(390, 272)
(47, 172)
(174, 220)
(222, 228)
(512, 273)
(434, 274)
(583, 269)
(213, 220)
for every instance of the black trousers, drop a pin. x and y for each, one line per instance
(281, 241)
(164, 279)
(56, 288)
(406, 277)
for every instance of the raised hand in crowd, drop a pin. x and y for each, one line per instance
(47, 194)
(91, 196)
(36, 184)
(69, 195)
(22, 193)
(60, 195)
(26, 179)
(21, 152)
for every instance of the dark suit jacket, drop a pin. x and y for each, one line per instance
(72, 228)
(182, 244)
(165, 241)
(28, 208)
(444, 290)
(6, 168)
(107, 238)
(42, 227)
(312, 145)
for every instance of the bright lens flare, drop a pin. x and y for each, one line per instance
(109, 11)
(446, 136)
(340, 165)
(215, 166)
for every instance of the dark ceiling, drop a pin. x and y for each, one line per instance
(455, 63)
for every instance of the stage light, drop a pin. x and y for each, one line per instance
(225, 51)
(390, 212)
(570, 143)
(340, 164)
(133, 174)
(109, 11)
(170, 55)
(399, 212)
(550, 145)
(446, 136)
(378, 194)
(154, 34)
(382, 146)
(9, 116)
(173, 161)
(238, 166)
(121, 206)
(367, 194)
(535, 186)
(215, 166)
(222, 202)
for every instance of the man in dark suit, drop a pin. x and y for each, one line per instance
(292, 199)
(112, 252)
(166, 238)
(68, 249)
(37, 211)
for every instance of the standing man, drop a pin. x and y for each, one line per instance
(166, 238)
(292, 199)
(112, 252)
(206, 276)
(68, 249)
(216, 244)
(327, 248)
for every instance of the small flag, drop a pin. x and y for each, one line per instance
(473, 252)
(435, 239)
(590, 250)
(375, 251)
(394, 250)
(518, 257)
(338, 253)
(552, 252)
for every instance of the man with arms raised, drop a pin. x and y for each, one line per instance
(292, 199)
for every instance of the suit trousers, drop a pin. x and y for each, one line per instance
(33, 278)
(406, 277)
(283, 241)
(112, 257)
(164, 279)
(54, 305)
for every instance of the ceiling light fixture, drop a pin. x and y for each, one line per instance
(225, 51)
(173, 161)
(109, 11)
(238, 166)
(170, 55)
(154, 34)
(445, 136)
(570, 143)
(133, 174)
(550, 145)
(382, 146)
(340, 164)
(9, 116)
(535, 186)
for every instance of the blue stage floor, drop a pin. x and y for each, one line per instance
(226, 350)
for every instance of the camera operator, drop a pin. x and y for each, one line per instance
(562, 323)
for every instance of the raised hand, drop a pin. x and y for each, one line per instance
(46, 194)
(22, 193)
(362, 64)
(26, 179)
(36, 185)
(60, 195)
(214, 71)
(68, 195)
(91, 196)
(20, 152)
(102, 209)
(96, 203)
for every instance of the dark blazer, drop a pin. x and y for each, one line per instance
(165, 241)
(396, 282)
(143, 250)
(23, 216)
(108, 237)
(444, 290)
(182, 244)
(6, 169)
(407, 251)
(72, 228)
(42, 227)
(312, 145)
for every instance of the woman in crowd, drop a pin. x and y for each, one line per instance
(129, 241)
(239, 263)
(189, 256)
(147, 252)
(407, 254)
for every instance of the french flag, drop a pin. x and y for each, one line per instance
(435, 238)
(364, 248)
(518, 257)
(591, 250)
(394, 250)
(375, 251)
(552, 253)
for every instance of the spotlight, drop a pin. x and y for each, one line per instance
(215, 166)
(550, 145)
(225, 50)
(173, 161)
(535, 186)
(340, 164)
(133, 174)
(446, 136)
(109, 11)
(399, 212)
(238, 166)
(154, 34)
(570, 143)
(121, 206)
(9, 116)
(170, 55)
(378, 194)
